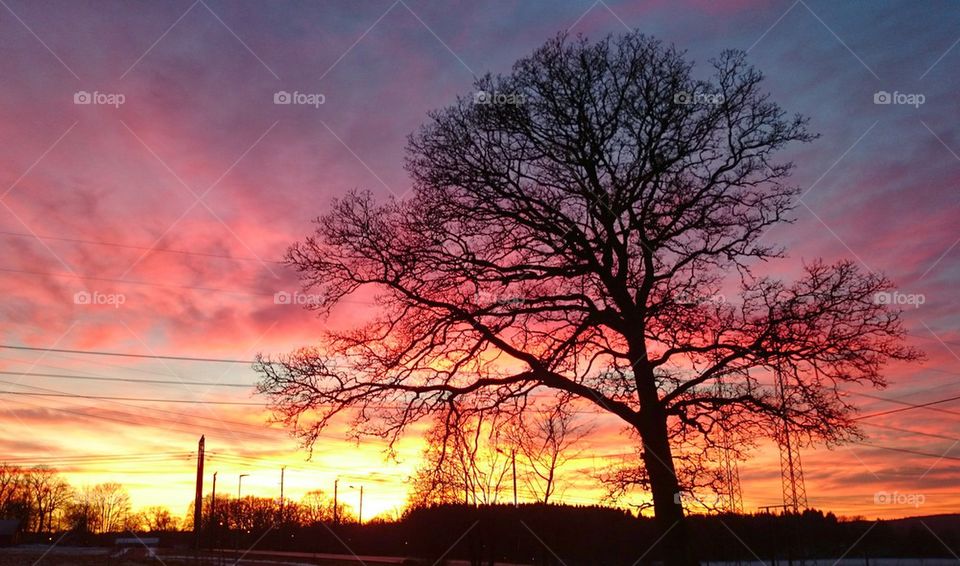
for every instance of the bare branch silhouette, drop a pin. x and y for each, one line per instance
(590, 224)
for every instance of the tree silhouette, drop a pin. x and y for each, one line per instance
(158, 518)
(572, 226)
(317, 507)
(545, 441)
(49, 493)
(464, 461)
(15, 499)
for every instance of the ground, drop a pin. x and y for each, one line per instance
(40, 556)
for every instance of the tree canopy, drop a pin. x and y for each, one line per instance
(591, 223)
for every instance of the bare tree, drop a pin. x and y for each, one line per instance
(462, 463)
(316, 507)
(571, 227)
(546, 440)
(14, 496)
(254, 514)
(158, 518)
(49, 494)
(80, 514)
(111, 506)
(137, 522)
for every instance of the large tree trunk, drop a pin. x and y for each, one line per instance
(674, 542)
(665, 488)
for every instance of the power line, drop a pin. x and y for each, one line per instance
(97, 458)
(134, 247)
(141, 283)
(934, 338)
(231, 423)
(914, 452)
(38, 364)
(132, 282)
(136, 399)
(141, 408)
(127, 355)
(910, 407)
(917, 432)
(126, 380)
(179, 425)
(178, 422)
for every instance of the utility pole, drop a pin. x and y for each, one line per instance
(213, 509)
(513, 455)
(198, 501)
(336, 511)
(282, 470)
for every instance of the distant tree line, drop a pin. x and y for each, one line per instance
(555, 534)
(44, 501)
(536, 533)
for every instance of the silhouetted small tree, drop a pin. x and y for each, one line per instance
(316, 507)
(545, 440)
(49, 493)
(465, 461)
(158, 518)
(15, 501)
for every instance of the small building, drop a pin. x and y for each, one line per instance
(10, 530)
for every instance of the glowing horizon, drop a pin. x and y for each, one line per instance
(100, 201)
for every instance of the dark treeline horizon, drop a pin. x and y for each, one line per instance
(537, 533)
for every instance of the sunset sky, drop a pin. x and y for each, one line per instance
(174, 208)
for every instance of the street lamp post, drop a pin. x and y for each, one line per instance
(240, 484)
(213, 511)
(360, 510)
(513, 458)
(336, 514)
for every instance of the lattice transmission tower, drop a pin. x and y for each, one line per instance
(791, 470)
(729, 492)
